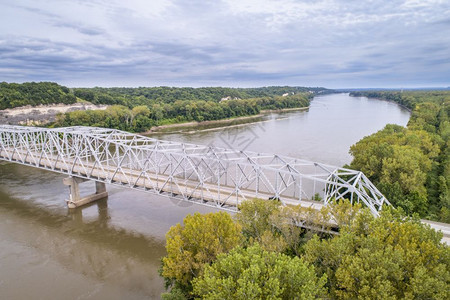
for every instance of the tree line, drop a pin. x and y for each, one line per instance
(261, 253)
(139, 109)
(411, 166)
(34, 93)
(131, 97)
(142, 117)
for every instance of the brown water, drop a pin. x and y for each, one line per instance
(112, 249)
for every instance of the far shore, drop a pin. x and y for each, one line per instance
(158, 129)
(387, 100)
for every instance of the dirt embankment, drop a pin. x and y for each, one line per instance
(42, 114)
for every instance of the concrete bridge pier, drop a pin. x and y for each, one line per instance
(75, 200)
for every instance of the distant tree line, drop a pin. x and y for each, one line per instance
(411, 166)
(131, 97)
(139, 109)
(140, 114)
(33, 93)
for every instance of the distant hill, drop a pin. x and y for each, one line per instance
(34, 93)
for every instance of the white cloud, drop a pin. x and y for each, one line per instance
(245, 42)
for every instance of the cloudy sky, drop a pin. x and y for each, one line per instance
(245, 43)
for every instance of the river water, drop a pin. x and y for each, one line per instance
(112, 249)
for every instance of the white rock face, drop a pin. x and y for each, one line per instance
(29, 115)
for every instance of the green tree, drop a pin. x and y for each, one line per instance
(255, 273)
(195, 244)
(390, 257)
(283, 228)
(428, 130)
(255, 217)
(268, 224)
(140, 110)
(398, 161)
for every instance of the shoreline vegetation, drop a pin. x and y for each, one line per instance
(149, 110)
(143, 118)
(227, 123)
(143, 109)
(380, 98)
(411, 166)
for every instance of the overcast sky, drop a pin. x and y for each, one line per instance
(241, 43)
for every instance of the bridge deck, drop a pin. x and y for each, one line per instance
(224, 196)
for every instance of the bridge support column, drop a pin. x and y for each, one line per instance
(75, 200)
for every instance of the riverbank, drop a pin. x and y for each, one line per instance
(383, 99)
(227, 122)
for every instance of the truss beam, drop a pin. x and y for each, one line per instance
(202, 174)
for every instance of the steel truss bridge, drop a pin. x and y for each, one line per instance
(206, 175)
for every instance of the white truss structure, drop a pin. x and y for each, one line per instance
(202, 174)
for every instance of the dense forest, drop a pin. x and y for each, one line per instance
(261, 253)
(131, 97)
(411, 166)
(144, 116)
(139, 109)
(33, 93)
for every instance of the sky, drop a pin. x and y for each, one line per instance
(235, 43)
